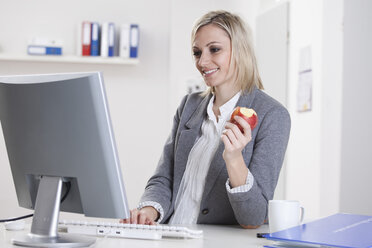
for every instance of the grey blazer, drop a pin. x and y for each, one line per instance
(263, 155)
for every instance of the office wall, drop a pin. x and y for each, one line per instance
(328, 156)
(303, 154)
(331, 112)
(137, 95)
(356, 169)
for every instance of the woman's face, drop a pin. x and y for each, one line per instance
(212, 54)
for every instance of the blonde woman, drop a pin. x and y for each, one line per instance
(212, 172)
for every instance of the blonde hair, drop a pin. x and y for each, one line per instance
(242, 53)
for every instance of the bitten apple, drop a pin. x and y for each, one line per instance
(247, 114)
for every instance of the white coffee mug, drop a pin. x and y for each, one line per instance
(284, 214)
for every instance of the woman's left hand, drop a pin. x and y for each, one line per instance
(235, 140)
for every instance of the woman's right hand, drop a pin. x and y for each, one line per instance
(146, 216)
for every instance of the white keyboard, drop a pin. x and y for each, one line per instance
(134, 231)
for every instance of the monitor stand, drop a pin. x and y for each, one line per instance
(44, 228)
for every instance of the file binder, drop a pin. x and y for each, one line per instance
(94, 46)
(111, 39)
(338, 230)
(44, 50)
(124, 45)
(108, 39)
(86, 38)
(134, 40)
(104, 39)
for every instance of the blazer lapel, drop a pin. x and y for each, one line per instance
(186, 141)
(218, 163)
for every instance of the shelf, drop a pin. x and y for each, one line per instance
(69, 59)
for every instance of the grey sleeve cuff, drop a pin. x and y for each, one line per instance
(155, 205)
(243, 188)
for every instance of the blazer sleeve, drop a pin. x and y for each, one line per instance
(250, 208)
(159, 187)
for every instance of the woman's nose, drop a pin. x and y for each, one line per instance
(204, 59)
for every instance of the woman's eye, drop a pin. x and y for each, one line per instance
(214, 49)
(197, 54)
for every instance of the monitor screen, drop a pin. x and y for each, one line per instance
(57, 130)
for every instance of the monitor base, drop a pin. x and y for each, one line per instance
(63, 240)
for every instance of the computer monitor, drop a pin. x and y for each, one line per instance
(57, 129)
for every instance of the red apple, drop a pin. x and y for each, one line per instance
(247, 114)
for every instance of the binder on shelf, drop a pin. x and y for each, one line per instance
(134, 40)
(44, 50)
(338, 230)
(86, 38)
(94, 43)
(124, 45)
(111, 39)
(107, 39)
(104, 39)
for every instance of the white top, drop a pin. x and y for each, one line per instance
(187, 204)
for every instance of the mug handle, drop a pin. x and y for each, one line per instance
(302, 214)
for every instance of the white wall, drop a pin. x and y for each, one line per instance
(303, 154)
(356, 169)
(137, 95)
(330, 160)
(329, 150)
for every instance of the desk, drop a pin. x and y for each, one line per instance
(214, 237)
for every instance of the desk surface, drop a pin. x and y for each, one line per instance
(214, 236)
